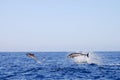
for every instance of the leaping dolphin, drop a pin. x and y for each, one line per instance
(79, 57)
(73, 55)
(33, 57)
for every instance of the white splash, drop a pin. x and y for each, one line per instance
(93, 58)
(38, 61)
(80, 59)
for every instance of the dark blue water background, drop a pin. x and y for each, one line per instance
(56, 66)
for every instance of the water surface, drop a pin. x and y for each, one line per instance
(56, 66)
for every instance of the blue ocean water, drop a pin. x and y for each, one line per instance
(56, 66)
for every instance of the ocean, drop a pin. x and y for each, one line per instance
(57, 66)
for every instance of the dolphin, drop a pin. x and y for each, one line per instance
(79, 57)
(73, 55)
(33, 57)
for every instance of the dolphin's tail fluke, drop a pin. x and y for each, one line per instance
(88, 55)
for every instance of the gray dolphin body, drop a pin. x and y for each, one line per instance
(33, 57)
(73, 55)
